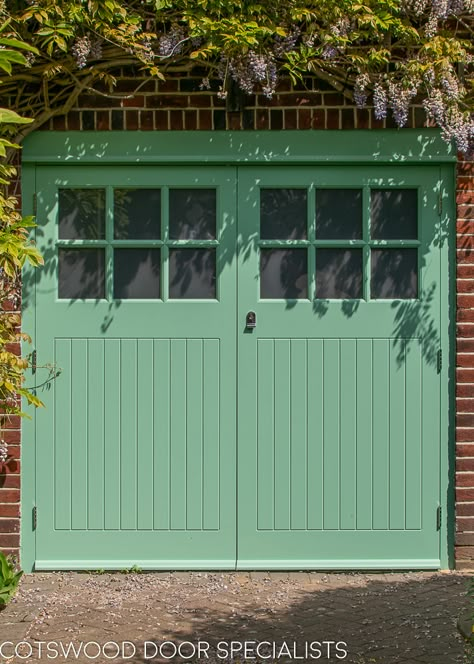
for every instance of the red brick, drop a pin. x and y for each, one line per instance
(465, 345)
(465, 256)
(465, 315)
(304, 118)
(465, 465)
(12, 422)
(291, 119)
(465, 375)
(200, 101)
(319, 119)
(465, 271)
(465, 197)
(9, 541)
(190, 119)
(9, 525)
(262, 119)
(97, 101)
(176, 120)
(205, 120)
(8, 481)
(465, 182)
(146, 120)
(464, 565)
(362, 118)
(170, 85)
(464, 495)
(59, 122)
(103, 120)
(162, 120)
(167, 101)
(234, 121)
(465, 360)
(333, 119)
(10, 510)
(465, 285)
(9, 495)
(134, 102)
(465, 552)
(465, 435)
(464, 450)
(131, 119)
(465, 242)
(465, 330)
(465, 480)
(465, 168)
(465, 405)
(465, 524)
(465, 539)
(465, 509)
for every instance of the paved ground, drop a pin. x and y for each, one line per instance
(404, 618)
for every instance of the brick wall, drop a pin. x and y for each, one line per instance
(465, 367)
(180, 103)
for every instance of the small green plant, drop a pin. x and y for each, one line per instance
(132, 570)
(9, 579)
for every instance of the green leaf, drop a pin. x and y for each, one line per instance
(7, 116)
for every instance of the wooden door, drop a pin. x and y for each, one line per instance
(339, 391)
(135, 450)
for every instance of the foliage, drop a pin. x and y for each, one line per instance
(15, 250)
(9, 579)
(382, 53)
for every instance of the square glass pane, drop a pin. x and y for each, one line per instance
(192, 214)
(394, 214)
(137, 214)
(137, 274)
(192, 273)
(283, 214)
(283, 273)
(81, 273)
(339, 273)
(338, 214)
(394, 273)
(81, 214)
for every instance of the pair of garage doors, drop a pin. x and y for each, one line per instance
(248, 367)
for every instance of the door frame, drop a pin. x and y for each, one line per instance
(307, 147)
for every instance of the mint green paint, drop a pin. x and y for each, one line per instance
(301, 501)
(410, 146)
(359, 474)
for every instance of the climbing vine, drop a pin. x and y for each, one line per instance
(380, 53)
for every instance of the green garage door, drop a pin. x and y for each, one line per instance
(247, 379)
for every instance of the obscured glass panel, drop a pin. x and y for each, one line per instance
(81, 274)
(338, 214)
(192, 273)
(394, 214)
(137, 273)
(283, 273)
(192, 214)
(394, 273)
(339, 273)
(283, 214)
(81, 214)
(137, 214)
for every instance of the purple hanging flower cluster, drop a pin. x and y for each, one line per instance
(380, 101)
(171, 43)
(81, 50)
(3, 452)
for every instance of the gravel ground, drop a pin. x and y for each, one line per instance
(402, 618)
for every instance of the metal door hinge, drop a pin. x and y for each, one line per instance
(438, 517)
(439, 361)
(33, 362)
(35, 204)
(35, 517)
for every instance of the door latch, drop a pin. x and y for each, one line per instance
(251, 320)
